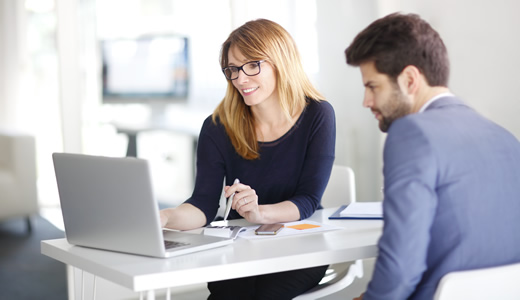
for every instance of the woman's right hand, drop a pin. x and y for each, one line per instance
(182, 217)
(164, 218)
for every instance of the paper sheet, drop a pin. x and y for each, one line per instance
(290, 228)
(363, 209)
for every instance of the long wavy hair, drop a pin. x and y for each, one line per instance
(262, 40)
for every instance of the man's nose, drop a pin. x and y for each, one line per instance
(368, 101)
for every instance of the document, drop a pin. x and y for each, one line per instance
(359, 210)
(224, 231)
(290, 229)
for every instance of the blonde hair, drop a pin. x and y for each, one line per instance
(262, 40)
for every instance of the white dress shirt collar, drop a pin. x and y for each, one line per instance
(441, 95)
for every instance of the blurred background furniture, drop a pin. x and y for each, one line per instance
(18, 193)
(340, 190)
(488, 283)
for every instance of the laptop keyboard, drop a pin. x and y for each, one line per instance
(173, 244)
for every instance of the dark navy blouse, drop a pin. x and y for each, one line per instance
(295, 167)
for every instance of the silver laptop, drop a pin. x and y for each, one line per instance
(108, 203)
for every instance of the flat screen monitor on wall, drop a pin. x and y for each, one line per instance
(145, 70)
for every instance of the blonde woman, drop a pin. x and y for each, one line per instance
(274, 132)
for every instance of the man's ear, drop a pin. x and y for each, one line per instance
(410, 80)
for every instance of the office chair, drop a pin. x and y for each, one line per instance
(340, 190)
(18, 194)
(488, 283)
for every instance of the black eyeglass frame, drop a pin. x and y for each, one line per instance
(258, 62)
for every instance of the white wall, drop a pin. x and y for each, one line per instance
(358, 140)
(11, 62)
(483, 43)
(481, 37)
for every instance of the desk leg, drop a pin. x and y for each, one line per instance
(72, 273)
(131, 150)
(150, 295)
(94, 288)
(70, 283)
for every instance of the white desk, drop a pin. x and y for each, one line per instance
(357, 240)
(178, 118)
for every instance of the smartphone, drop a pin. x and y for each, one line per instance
(269, 229)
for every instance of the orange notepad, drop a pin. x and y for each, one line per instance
(303, 226)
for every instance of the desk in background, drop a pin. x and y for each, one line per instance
(179, 119)
(358, 240)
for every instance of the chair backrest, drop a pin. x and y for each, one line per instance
(341, 188)
(489, 283)
(18, 193)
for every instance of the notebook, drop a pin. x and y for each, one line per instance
(108, 203)
(359, 210)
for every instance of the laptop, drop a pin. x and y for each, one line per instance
(108, 203)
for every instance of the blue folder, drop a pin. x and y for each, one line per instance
(336, 215)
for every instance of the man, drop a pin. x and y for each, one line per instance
(451, 177)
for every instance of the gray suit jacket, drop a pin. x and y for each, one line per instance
(451, 200)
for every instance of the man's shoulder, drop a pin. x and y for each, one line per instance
(437, 118)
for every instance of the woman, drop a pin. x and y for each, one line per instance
(273, 133)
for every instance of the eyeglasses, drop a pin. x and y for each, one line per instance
(251, 68)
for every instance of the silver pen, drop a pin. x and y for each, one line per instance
(230, 201)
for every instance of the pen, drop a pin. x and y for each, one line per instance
(230, 201)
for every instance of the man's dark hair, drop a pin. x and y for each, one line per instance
(400, 40)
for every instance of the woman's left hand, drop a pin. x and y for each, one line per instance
(245, 202)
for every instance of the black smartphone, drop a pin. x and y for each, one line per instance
(269, 229)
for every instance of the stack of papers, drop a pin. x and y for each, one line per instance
(224, 231)
(360, 210)
(290, 228)
(248, 232)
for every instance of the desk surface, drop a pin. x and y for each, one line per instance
(178, 118)
(357, 240)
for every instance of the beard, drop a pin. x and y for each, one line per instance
(397, 106)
